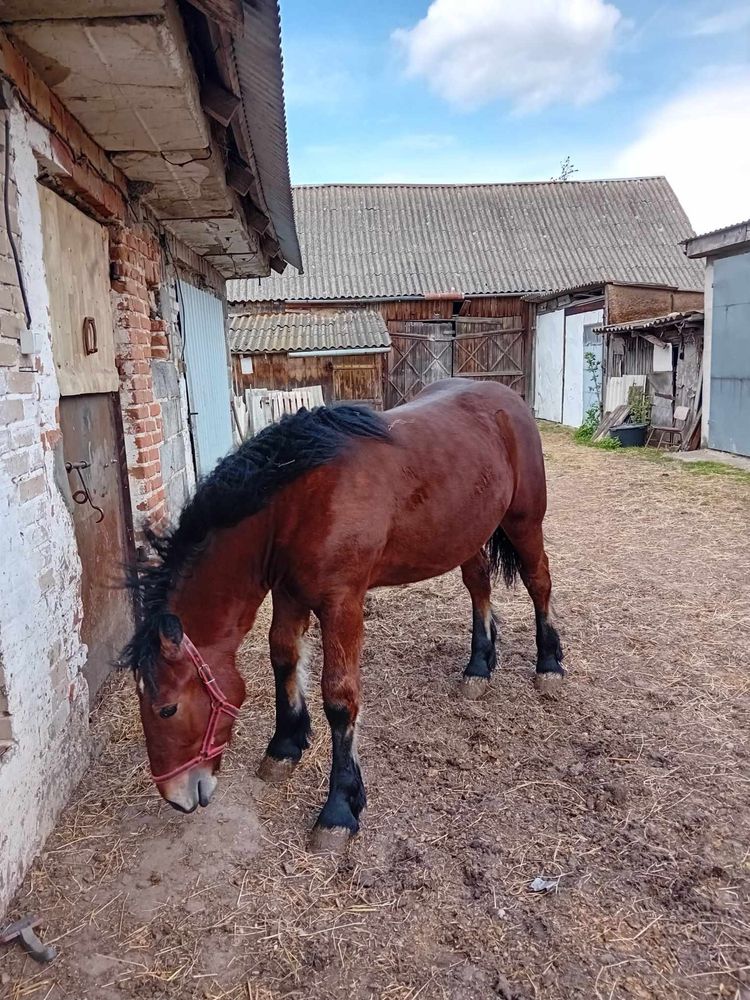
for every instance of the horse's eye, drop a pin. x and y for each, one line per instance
(167, 711)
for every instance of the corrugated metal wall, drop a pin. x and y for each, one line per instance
(207, 369)
(729, 416)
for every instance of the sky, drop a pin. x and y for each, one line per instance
(480, 91)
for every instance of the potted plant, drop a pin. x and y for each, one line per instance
(633, 434)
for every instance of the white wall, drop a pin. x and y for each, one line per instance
(41, 654)
(550, 327)
(708, 331)
(573, 385)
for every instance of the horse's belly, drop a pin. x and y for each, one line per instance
(434, 538)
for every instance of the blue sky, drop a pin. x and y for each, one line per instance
(503, 90)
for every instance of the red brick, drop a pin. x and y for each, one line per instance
(51, 438)
(154, 410)
(144, 471)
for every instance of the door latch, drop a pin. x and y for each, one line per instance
(82, 495)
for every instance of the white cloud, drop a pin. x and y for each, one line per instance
(700, 140)
(531, 52)
(732, 19)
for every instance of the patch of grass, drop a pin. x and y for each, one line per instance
(707, 468)
(548, 427)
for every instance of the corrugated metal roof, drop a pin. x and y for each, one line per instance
(654, 323)
(389, 241)
(307, 330)
(261, 76)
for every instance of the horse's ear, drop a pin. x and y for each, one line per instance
(170, 637)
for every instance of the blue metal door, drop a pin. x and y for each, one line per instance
(729, 402)
(207, 371)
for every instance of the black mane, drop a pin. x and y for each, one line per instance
(240, 486)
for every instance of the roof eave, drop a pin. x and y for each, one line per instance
(731, 238)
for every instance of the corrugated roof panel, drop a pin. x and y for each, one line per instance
(307, 330)
(260, 70)
(654, 322)
(364, 241)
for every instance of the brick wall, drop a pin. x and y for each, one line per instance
(136, 272)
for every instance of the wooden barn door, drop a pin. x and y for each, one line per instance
(356, 377)
(491, 349)
(421, 353)
(93, 477)
(469, 347)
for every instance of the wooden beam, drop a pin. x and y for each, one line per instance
(239, 177)
(256, 219)
(227, 13)
(219, 103)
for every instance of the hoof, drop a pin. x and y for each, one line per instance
(330, 839)
(274, 771)
(473, 688)
(549, 685)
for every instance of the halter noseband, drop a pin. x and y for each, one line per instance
(220, 704)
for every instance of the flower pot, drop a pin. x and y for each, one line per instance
(630, 435)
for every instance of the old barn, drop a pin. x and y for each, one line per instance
(143, 161)
(455, 273)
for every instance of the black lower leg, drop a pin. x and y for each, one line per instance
(292, 734)
(483, 638)
(549, 649)
(346, 796)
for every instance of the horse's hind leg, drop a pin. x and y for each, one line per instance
(528, 542)
(476, 577)
(288, 659)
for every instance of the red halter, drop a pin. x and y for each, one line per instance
(219, 704)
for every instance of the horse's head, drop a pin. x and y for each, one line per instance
(187, 708)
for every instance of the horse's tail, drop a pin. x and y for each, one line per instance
(502, 557)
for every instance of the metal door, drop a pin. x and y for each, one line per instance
(93, 452)
(208, 375)
(729, 401)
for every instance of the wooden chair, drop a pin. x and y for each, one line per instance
(671, 433)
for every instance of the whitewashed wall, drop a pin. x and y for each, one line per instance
(550, 329)
(41, 653)
(574, 375)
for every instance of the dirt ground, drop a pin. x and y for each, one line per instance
(630, 794)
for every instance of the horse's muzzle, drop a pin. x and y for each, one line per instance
(193, 788)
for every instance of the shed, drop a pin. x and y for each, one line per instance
(726, 354)
(571, 364)
(664, 353)
(449, 267)
(342, 351)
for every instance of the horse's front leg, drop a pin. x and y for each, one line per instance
(342, 627)
(288, 659)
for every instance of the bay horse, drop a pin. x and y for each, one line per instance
(318, 509)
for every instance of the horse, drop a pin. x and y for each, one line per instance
(317, 510)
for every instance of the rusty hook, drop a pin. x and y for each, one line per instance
(83, 496)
